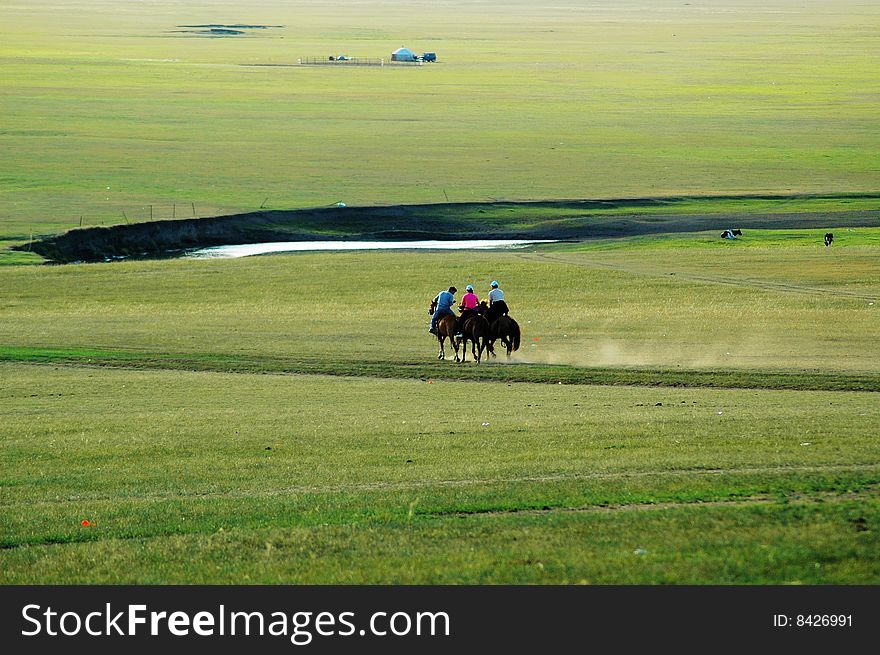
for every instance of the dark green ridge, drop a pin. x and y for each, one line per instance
(565, 220)
(494, 371)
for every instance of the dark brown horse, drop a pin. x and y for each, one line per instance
(474, 328)
(504, 328)
(445, 328)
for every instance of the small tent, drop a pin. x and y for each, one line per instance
(403, 54)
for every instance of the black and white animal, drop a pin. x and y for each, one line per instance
(828, 239)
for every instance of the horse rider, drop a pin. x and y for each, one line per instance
(469, 305)
(497, 306)
(445, 301)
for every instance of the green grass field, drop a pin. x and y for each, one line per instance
(795, 310)
(207, 477)
(175, 405)
(108, 109)
(682, 410)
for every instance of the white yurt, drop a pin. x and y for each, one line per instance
(403, 54)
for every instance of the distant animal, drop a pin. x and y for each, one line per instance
(445, 328)
(731, 234)
(829, 238)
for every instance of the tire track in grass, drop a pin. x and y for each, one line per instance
(798, 499)
(406, 485)
(764, 285)
(518, 372)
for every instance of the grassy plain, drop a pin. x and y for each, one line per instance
(797, 310)
(208, 477)
(107, 108)
(682, 410)
(169, 402)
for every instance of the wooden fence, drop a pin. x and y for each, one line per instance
(354, 61)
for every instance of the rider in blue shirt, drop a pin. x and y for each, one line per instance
(445, 301)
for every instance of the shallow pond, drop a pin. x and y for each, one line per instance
(248, 249)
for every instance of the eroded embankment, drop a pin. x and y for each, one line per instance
(556, 220)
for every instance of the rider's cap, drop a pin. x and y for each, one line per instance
(470, 287)
(494, 283)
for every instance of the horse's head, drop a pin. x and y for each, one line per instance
(483, 308)
(433, 306)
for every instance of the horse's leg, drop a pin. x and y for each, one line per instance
(494, 336)
(441, 339)
(464, 349)
(455, 345)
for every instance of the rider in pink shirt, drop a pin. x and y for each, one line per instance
(469, 303)
(470, 300)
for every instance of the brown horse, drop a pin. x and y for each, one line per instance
(474, 328)
(445, 328)
(504, 328)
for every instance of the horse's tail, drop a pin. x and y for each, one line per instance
(514, 329)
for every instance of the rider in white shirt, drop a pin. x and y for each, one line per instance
(497, 306)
